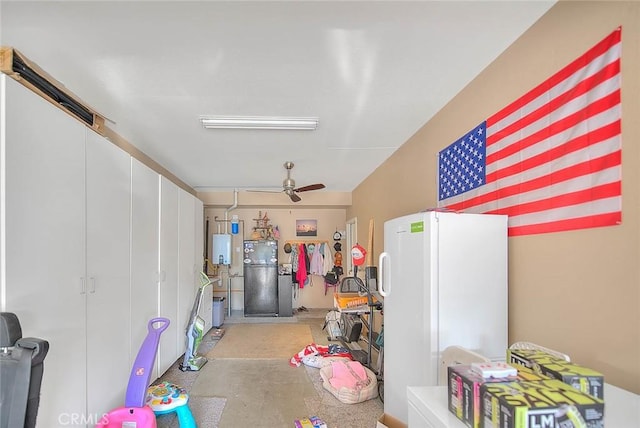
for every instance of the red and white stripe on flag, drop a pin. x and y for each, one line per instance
(553, 157)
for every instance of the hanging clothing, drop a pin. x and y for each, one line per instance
(301, 274)
(327, 258)
(316, 264)
(294, 258)
(294, 263)
(307, 259)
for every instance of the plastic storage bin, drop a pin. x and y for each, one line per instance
(218, 312)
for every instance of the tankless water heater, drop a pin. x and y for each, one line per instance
(221, 249)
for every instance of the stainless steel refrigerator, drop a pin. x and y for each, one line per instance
(444, 281)
(260, 278)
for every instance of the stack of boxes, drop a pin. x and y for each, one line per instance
(546, 392)
(464, 390)
(581, 378)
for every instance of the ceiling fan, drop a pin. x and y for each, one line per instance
(289, 185)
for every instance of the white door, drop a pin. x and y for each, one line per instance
(108, 273)
(168, 349)
(44, 236)
(187, 279)
(145, 242)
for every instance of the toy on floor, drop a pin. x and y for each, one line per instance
(135, 412)
(195, 331)
(168, 398)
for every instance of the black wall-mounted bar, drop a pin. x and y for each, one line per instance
(51, 91)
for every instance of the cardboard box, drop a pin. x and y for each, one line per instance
(463, 388)
(387, 421)
(581, 378)
(543, 404)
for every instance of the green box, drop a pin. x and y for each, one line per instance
(464, 390)
(581, 378)
(540, 404)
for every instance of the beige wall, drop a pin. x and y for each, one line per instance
(578, 292)
(328, 209)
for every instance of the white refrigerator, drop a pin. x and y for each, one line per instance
(443, 277)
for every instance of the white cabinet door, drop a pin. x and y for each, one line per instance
(44, 236)
(199, 235)
(206, 308)
(187, 279)
(108, 172)
(82, 222)
(168, 350)
(145, 225)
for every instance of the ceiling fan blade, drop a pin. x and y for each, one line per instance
(294, 197)
(316, 186)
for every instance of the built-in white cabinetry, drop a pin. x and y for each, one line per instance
(43, 235)
(145, 227)
(67, 252)
(170, 342)
(108, 207)
(179, 267)
(92, 247)
(187, 284)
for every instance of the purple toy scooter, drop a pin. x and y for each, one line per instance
(135, 411)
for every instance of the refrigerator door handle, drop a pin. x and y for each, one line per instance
(383, 261)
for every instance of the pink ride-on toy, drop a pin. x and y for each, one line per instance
(135, 412)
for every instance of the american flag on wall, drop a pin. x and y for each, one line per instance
(551, 160)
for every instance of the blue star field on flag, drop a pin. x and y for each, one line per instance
(462, 164)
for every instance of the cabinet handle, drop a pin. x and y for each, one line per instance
(92, 285)
(83, 285)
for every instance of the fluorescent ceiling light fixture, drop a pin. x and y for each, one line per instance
(258, 122)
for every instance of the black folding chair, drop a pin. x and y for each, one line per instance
(21, 370)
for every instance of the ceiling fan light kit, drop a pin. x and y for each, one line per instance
(259, 122)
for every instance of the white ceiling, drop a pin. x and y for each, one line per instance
(373, 72)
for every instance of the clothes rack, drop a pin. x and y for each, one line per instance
(306, 242)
